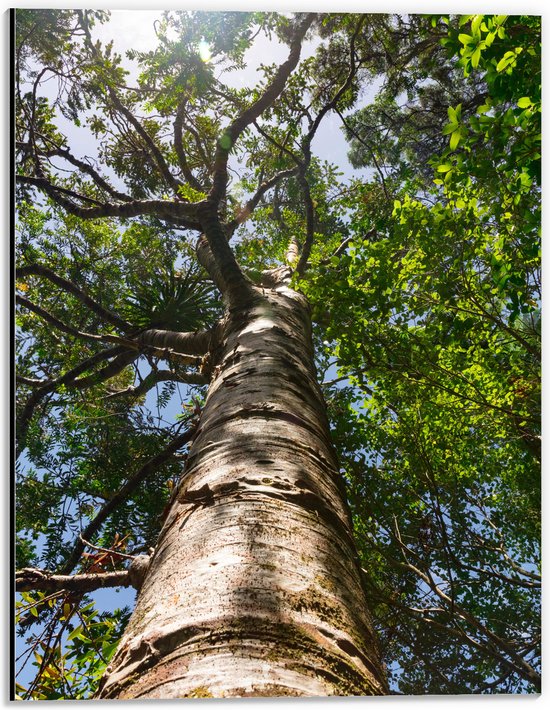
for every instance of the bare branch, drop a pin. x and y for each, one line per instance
(193, 343)
(507, 653)
(31, 579)
(281, 146)
(89, 170)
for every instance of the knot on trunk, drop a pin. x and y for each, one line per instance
(138, 570)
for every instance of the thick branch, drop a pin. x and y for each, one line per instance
(184, 213)
(32, 382)
(219, 259)
(227, 274)
(250, 114)
(193, 343)
(310, 222)
(156, 376)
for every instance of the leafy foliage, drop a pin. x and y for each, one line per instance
(173, 300)
(435, 320)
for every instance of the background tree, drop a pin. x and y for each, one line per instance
(425, 300)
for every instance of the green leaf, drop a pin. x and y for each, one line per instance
(449, 128)
(455, 140)
(77, 633)
(508, 59)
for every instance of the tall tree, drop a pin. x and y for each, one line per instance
(171, 227)
(258, 516)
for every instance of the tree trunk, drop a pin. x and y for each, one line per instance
(254, 588)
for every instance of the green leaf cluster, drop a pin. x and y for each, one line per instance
(433, 317)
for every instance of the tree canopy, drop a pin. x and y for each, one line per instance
(422, 269)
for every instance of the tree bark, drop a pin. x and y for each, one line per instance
(254, 588)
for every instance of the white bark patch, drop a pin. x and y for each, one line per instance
(259, 324)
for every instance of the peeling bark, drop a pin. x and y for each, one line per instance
(254, 588)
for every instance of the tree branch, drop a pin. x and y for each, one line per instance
(249, 115)
(178, 147)
(52, 320)
(116, 365)
(156, 376)
(153, 149)
(310, 221)
(510, 656)
(80, 164)
(245, 212)
(184, 213)
(69, 286)
(219, 259)
(31, 579)
(149, 467)
(53, 189)
(96, 177)
(306, 148)
(67, 378)
(366, 145)
(193, 343)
